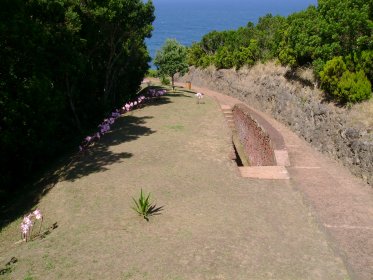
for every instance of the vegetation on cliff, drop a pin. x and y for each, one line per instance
(335, 38)
(64, 64)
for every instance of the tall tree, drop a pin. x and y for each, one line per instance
(172, 59)
(64, 64)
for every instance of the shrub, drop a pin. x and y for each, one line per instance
(354, 87)
(366, 63)
(287, 57)
(152, 73)
(206, 61)
(224, 58)
(165, 81)
(331, 74)
(195, 54)
(246, 55)
(318, 66)
(343, 85)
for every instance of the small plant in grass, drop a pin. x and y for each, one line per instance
(144, 207)
(28, 223)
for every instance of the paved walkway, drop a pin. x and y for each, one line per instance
(342, 203)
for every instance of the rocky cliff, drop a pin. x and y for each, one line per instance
(293, 99)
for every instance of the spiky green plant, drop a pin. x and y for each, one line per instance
(142, 205)
(144, 208)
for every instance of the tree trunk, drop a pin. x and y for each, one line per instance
(173, 86)
(71, 103)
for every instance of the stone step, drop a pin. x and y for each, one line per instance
(265, 172)
(225, 107)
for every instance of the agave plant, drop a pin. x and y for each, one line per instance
(144, 207)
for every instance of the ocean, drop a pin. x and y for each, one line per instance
(188, 20)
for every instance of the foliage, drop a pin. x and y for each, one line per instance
(64, 64)
(287, 57)
(343, 85)
(152, 73)
(366, 63)
(144, 207)
(165, 81)
(269, 32)
(354, 87)
(335, 30)
(171, 59)
(331, 74)
(224, 58)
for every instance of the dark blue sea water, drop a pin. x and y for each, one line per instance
(188, 20)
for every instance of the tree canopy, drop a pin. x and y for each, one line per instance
(64, 65)
(171, 59)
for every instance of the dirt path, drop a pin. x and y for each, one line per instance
(215, 224)
(342, 203)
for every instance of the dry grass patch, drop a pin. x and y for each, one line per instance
(215, 224)
(361, 115)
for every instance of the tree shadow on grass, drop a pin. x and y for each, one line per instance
(99, 157)
(96, 159)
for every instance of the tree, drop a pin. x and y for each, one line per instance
(171, 59)
(64, 64)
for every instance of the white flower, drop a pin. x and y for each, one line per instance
(27, 220)
(37, 214)
(24, 228)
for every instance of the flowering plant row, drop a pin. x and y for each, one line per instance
(105, 126)
(28, 223)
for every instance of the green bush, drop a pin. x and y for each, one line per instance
(246, 55)
(195, 54)
(318, 66)
(224, 58)
(354, 87)
(344, 85)
(152, 73)
(165, 81)
(331, 74)
(287, 57)
(366, 63)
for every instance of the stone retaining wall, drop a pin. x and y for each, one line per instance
(298, 106)
(255, 140)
